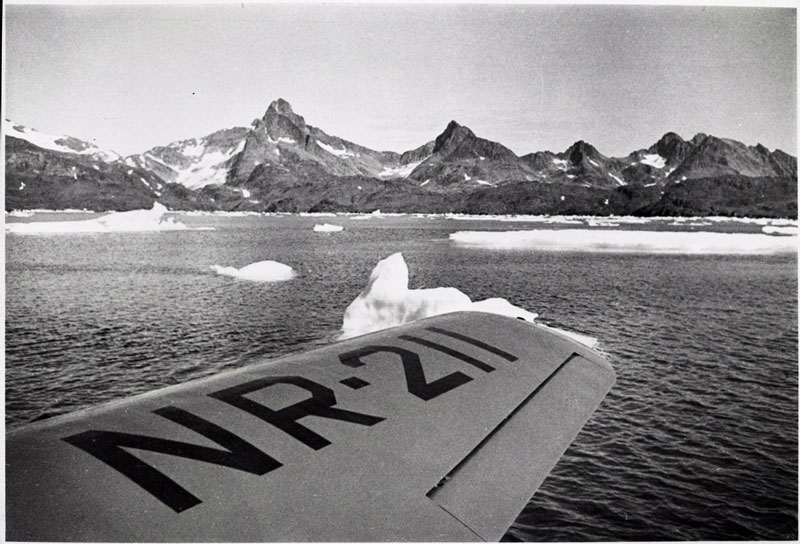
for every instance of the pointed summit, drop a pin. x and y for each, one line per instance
(581, 150)
(281, 121)
(452, 137)
(280, 106)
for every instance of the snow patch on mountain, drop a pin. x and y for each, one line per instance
(194, 150)
(192, 163)
(400, 171)
(156, 159)
(208, 170)
(62, 144)
(617, 179)
(337, 152)
(655, 160)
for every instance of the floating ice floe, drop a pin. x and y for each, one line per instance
(134, 221)
(785, 231)
(601, 223)
(316, 214)
(376, 213)
(387, 302)
(19, 213)
(327, 227)
(555, 219)
(260, 271)
(627, 241)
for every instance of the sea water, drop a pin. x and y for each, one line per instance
(697, 440)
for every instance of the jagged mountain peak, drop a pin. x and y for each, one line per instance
(452, 136)
(581, 150)
(671, 147)
(762, 149)
(280, 121)
(280, 106)
(668, 140)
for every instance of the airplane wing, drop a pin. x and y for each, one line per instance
(441, 429)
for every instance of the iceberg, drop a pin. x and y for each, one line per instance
(376, 213)
(783, 231)
(20, 213)
(327, 227)
(387, 301)
(260, 271)
(627, 241)
(134, 221)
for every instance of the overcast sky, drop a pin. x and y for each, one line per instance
(391, 77)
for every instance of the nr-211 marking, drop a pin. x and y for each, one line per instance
(108, 446)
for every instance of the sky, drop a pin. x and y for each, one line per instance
(391, 76)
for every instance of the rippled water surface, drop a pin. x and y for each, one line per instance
(697, 440)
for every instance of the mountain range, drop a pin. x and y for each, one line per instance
(281, 163)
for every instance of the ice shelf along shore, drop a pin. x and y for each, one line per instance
(628, 241)
(151, 220)
(260, 271)
(387, 301)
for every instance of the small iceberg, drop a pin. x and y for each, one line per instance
(781, 231)
(376, 213)
(387, 302)
(134, 221)
(260, 271)
(327, 227)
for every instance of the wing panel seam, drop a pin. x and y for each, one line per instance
(432, 492)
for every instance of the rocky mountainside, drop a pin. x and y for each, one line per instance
(43, 172)
(281, 163)
(196, 162)
(461, 161)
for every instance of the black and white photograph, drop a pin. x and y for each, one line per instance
(386, 271)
